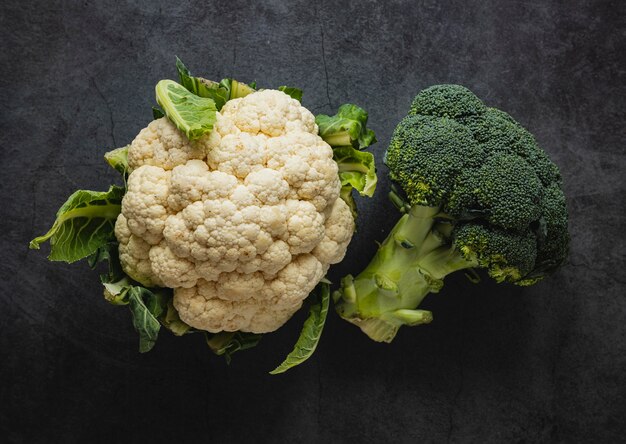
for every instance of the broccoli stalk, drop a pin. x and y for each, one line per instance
(409, 264)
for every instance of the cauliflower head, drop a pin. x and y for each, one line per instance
(242, 223)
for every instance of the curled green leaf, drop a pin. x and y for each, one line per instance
(171, 320)
(357, 169)
(219, 93)
(347, 127)
(157, 113)
(192, 114)
(311, 330)
(226, 343)
(237, 89)
(146, 306)
(118, 159)
(84, 223)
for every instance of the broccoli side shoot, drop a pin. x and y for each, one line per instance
(477, 192)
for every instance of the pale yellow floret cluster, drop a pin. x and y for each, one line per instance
(242, 223)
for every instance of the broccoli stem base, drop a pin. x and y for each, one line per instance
(409, 264)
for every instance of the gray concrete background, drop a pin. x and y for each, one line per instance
(498, 364)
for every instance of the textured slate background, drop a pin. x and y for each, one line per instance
(499, 364)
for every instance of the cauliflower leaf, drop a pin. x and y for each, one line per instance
(220, 92)
(192, 114)
(311, 330)
(357, 169)
(294, 93)
(347, 133)
(347, 127)
(146, 307)
(118, 159)
(84, 223)
(157, 113)
(146, 304)
(226, 343)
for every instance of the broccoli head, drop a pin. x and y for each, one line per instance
(476, 192)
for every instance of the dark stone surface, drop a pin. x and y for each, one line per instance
(499, 364)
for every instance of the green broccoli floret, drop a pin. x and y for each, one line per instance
(451, 101)
(477, 192)
(552, 235)
(507, 256)
(428, 177)
(497, 131)
(504, 190)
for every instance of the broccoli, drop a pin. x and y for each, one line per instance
(477, 192)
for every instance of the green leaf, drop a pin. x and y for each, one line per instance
(219, 93)
(118, 159)
(116, 293)
(171, 320)
(157, 113)
(116, 283)
(105, 253)
(311, 330)
(237, 89)
(216, 91)
(84, 223)
(193, 115)
(193, 84)
(356, 169)
(347, 127)
(346, 194)
(226, 343)
(145, 304)
(294, 93)
(146, 307)
(347, 132)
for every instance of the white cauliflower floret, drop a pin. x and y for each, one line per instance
(270, 113)
(338, 231)
(173, 270)
(199, 305)
(144, 204)
(161, 144)
(193, 182)
(305, 161)
(267, 185)
(243, 223)
(135, 254)
(305, 226)
(237, 154)
(275, 258)
(249, 302)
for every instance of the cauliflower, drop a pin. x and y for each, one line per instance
(242, 223)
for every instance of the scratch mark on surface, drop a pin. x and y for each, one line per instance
(317, 14)
(106, 103)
